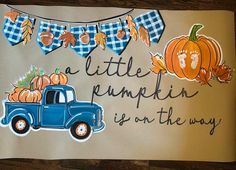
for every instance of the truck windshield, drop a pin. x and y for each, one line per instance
(70, 95)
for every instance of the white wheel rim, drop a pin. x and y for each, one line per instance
(20, 124)
(81, 129)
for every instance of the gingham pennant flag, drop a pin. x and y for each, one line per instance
(13, 31)
(112, 42)
(56, 30)
(153, 22)
(84, 49)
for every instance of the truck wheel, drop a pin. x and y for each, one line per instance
(80, 130)
(20, 125)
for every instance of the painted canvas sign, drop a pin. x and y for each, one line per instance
(117, 83)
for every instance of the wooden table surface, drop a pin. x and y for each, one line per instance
(13, 164)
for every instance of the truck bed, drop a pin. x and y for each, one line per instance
(32, 108)
(28, 106)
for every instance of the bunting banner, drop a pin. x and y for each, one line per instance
(13, 31)
(114, 42)
(153, 22)
(117, 83)
(85, 41)
(48, 36)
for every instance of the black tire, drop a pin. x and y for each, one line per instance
(20, 125)
(80, 130)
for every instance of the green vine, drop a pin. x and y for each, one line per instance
(25, 81)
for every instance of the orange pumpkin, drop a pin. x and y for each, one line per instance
(185, 56)
(30, 95)
(58, 77)
(41, 81)
(14, 95)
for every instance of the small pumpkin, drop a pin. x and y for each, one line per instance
(185, 56)
(58, 78)
(41, 81)
(30, 95)
(14, 95)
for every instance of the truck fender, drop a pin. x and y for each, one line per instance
(87, 117)
(20, 112)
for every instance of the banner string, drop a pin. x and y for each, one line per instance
(73, 22)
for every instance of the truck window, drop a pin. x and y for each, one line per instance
(55, 97)
(60, 98)
(50, 97)
(70, 95)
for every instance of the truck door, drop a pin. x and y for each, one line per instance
(54, 109)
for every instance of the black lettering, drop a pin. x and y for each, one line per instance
(202, 121)
(68, 71)
(144, 120)
(121, 120)
(117, 64)
(142, 93)
(169, 120)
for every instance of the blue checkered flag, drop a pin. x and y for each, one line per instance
(13, 31)
(56, 30)
(112, 42)
(153, 22)
(81, 48)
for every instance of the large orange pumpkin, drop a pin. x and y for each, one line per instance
(58, 77)
(30, 95)
(14, 95)
(41, 81)
(186, 55)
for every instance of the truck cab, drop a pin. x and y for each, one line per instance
(58, 109)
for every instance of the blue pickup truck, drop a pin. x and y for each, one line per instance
(58, 109)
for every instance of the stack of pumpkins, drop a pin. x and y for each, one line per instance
(30, 87)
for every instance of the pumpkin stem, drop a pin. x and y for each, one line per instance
(31, 86)
(57, 70)
(194, 30)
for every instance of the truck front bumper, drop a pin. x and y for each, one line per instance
(100, 128)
